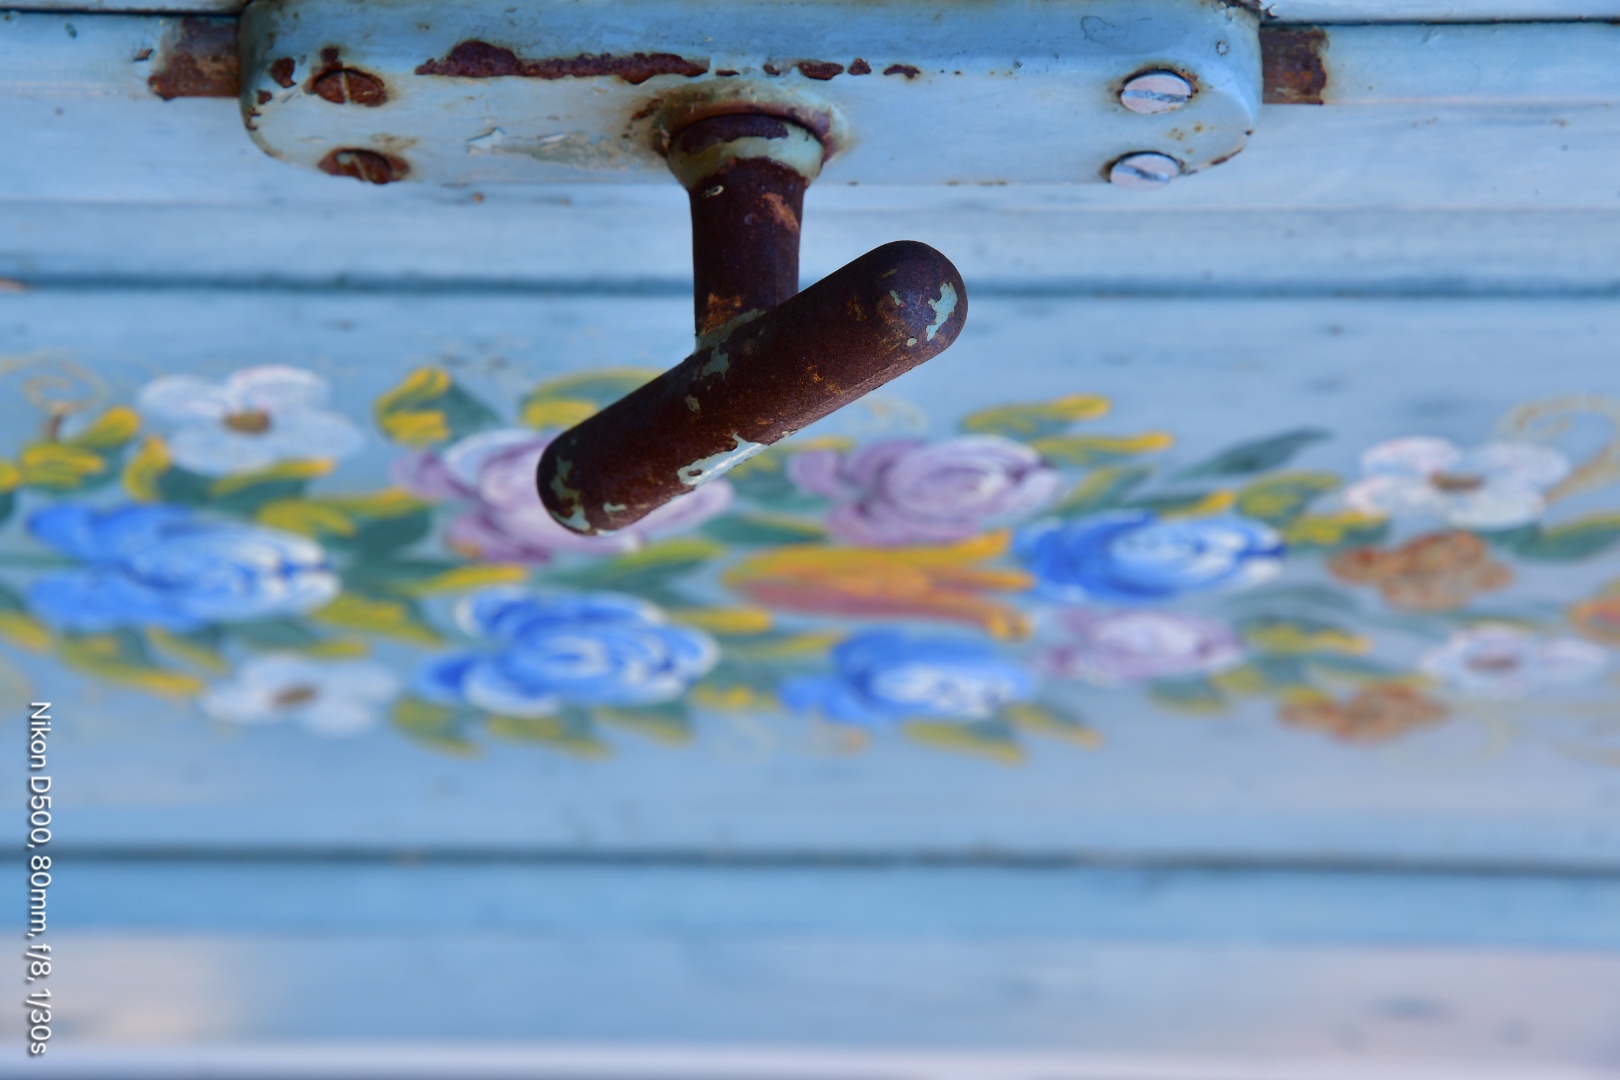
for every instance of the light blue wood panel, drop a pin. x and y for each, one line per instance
(1362, 711)
(1363, 973)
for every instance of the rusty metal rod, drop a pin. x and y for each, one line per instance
(756, 382)
(746, 175)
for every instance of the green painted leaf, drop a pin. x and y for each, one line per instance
(668, 723)
(1032, 420)
(438, 726)
(570, 732)
(182, 486)
(122, 657)
(1258, 455)
(1323, 598)
(1283, 497)
(1088, 450)
(757, 529)
(1264, 674)
(464, 414)
(1175, 502)
(557, 399)
(247, 501)
(389, 577)
(654, 567)
(1195, 695)
(992, 739)
(1358, 668)
(1102, 489)
(1578, 539)
(1273, 633)
(8, 503)
(272, 634)
(11, 600)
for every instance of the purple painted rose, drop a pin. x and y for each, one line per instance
(1115, 648)
(902, 491)
(494, 471)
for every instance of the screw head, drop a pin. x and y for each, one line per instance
(344, 86)
(1143, 170)
(1155, 92)
(367, 166)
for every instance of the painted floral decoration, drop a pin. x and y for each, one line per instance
(541, 652)
(1506, 662)
(168, 567)
(884, 677)
(1377, 714)
(1136, 557)
(1033, 575)
(902, 491)
(494, 472)
(331, 698)
(1121, 647)
(254, 419)
(1440, 571)
(1495, 486)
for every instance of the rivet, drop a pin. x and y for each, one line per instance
(1155, 92)
(1143, 170)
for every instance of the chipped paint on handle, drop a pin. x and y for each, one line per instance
(840, 339)
(705, 469)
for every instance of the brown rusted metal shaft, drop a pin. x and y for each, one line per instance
(755, 383)
(746, 175)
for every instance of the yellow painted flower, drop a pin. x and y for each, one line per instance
(947, 583)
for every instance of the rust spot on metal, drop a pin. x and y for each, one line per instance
(902, 69)
(876, 318)
(369, 166)
(648, 109)
(860, 67)
(1291, 64)
(771, 69)
(198, 60)
(144, 54)
(745, 222)
(264, 96)
(726, 73)
(281, 72)
(481, 60)
(821, 70)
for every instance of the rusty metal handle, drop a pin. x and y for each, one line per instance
(768, 362)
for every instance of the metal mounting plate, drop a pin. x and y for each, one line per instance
(981, 92)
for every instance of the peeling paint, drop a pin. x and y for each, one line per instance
(943, 307)
(705, 469)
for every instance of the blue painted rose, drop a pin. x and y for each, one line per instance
(546, 651)
(164, 566)
(885, 677)
(1135, 557)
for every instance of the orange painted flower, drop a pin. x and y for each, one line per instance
(1440, 571)
(1599, 617)
(1377, 714)
(946, 583)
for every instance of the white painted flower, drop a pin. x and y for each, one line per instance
(1495, 486)
(255, 418)
(1506, 662)
(334, 698)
